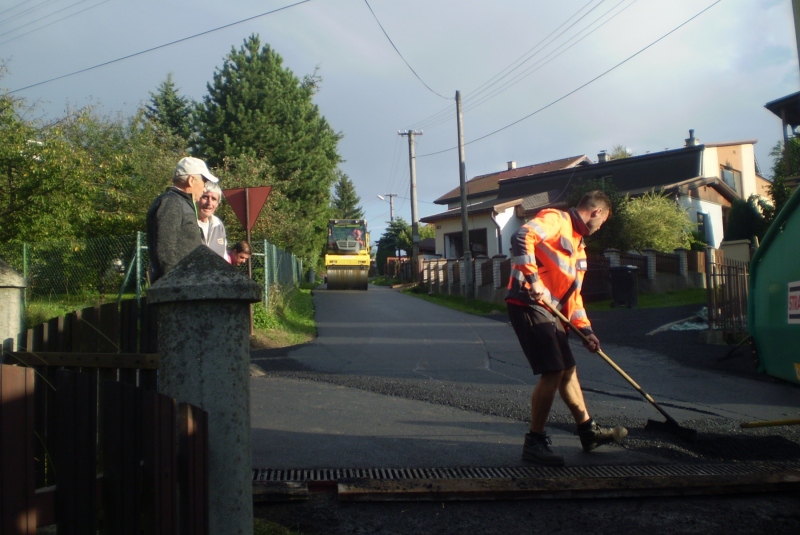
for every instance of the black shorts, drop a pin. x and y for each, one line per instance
(542, 338)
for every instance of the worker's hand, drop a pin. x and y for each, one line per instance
(537, 290)
(593, 344)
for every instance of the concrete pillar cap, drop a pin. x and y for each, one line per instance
(203, 275)
(9, 278)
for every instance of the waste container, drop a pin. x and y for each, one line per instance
(312, 275)
(624, 286)
(773, 307)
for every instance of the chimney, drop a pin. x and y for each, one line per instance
(512, 165)
(692, 141)
(602, 157)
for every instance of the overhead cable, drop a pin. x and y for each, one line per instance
(160, 46)
(401, 55)
(578, 88)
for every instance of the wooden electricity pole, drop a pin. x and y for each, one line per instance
(462, 176)
(414, 219)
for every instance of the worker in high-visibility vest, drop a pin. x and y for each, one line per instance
(549, 263)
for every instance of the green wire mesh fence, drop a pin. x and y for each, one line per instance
(108, 268)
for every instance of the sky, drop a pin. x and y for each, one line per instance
(539, 81)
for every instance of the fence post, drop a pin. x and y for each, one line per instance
(138, 267)
(683, 262)
(266, 277)
(710, 301)
(204, 343)
(613, 257)
(496, 279)
(12, 304)
(651, 263)
(25, 253)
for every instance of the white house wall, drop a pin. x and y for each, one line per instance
(510, 223)
(713, 217)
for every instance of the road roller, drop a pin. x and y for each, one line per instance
(347, 258)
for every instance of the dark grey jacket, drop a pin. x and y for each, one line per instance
(172, 231)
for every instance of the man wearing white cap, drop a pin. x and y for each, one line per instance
(172, 230)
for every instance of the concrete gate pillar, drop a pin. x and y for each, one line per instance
(12, 309)
(204, 347)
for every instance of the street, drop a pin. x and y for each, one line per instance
(393, 381)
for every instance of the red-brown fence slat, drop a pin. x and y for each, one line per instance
(148, 328)
(120, 446)
(17, 498)
(75, 456)
(194, 469)
(107, 318)
(160, 469)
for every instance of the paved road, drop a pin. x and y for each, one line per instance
(392, 344)
(395, 382)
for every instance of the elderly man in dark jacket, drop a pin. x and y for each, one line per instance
(172, 230)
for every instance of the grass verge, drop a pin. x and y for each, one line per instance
(691, 296)
(457, 302)
(289, 320)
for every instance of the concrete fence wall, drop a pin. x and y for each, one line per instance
(660, 272)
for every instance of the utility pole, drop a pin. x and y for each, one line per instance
(391, 203)
(462, 176)
(414, 220)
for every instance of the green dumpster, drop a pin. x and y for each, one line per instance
(773, 309)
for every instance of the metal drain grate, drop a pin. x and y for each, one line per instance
(524, 472)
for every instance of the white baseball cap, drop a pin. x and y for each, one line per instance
(194, 166)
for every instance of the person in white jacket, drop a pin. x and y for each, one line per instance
(214, 236)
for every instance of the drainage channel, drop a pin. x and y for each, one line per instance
(524, 482)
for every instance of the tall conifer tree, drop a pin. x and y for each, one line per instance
(345, 200)
(258, 109)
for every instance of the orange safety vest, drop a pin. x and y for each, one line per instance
(550, 247)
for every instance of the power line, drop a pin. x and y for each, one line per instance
(14, 6)
(544, 61)
(448, 113)
(32, 8)
(44, 17)
(401, 55)
(54, 22)
(580, 87)
(159, 47)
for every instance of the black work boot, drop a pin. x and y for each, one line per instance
(592, 435)
(537, 450)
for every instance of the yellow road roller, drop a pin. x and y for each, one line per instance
(347, 258)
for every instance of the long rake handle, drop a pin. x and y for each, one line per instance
(613, 364)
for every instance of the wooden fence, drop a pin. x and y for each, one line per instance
(87, 443)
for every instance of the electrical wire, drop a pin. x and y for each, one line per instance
(29, 10)
(401, 55)
(579, 87)
(54, 22)
(159, 47)
(15, 6)
(448, 113)
(47, 16)
(544, 61)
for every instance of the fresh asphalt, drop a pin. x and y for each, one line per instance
(393, 381)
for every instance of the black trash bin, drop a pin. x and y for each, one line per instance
(312, 276)
(624, 286)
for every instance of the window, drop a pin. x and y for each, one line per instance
(454, 243)
(732, 178)
(701, 226)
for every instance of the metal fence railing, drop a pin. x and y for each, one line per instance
(106, 268)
